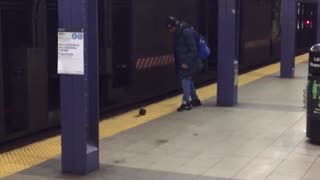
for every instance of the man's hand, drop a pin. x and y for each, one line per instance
(184, 66)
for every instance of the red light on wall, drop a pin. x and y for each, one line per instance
(308, 22)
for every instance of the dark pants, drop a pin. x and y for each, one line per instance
(189, 90)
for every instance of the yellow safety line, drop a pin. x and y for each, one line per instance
(33, 154)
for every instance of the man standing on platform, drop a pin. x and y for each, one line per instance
(186, 60)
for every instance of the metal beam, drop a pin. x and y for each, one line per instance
(288, 38)
(228, 47)
(79, 93)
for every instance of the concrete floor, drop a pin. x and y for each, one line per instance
(261, 138)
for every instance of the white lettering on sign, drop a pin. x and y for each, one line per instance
(71, 53)
(316, 59)
(315, 65)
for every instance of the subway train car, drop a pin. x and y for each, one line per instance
(136, 58)
(259, 32)
(135, 52)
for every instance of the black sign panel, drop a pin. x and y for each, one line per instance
(314, 63)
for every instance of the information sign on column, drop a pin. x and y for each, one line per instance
(70, 53)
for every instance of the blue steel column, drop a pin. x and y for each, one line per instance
(227, 53)
(79, 94)
(288, 37)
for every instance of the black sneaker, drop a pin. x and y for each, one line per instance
(196, 103)
(184, 107)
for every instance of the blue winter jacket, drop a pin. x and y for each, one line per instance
(186, 52)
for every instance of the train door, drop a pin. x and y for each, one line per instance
(105, 51)
(53, 77)
(15, 106)
(256, 20)
(212, 32)
(24, 65)
(121, 42)
(275, 32)
(114, 45)
(306, 26)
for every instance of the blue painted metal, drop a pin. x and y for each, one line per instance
(288, 38)
(228, 52)
(79, 94)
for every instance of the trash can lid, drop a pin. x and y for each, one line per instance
(315, 48)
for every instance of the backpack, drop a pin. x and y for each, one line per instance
(203, 48)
